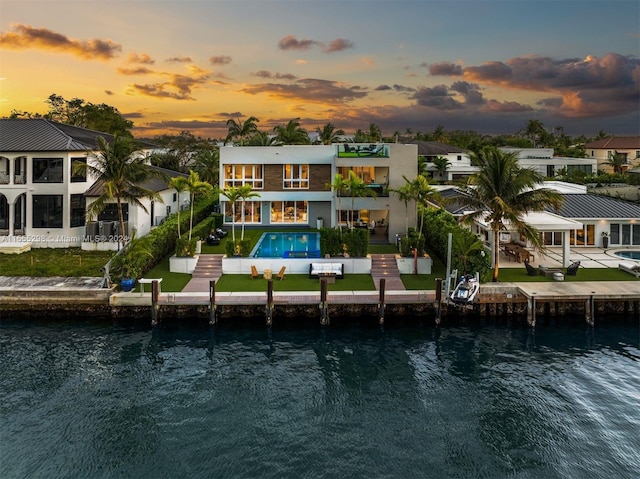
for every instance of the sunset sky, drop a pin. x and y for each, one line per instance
(488, 66)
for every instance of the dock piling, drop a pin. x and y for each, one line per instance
(155, 293)
(531, 312)
(212, 303)
(324, 307)
(381, 301)
(438, 304)
(269, 309)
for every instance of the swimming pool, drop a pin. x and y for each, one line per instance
(287, 245)
(632, 254)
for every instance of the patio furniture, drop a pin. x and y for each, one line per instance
(531, 271)
(281, 273)
(631, 268)
(254, 272)
(371, 151)
(548, 272)
(572, 269)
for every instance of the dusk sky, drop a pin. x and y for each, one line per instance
(488, 66)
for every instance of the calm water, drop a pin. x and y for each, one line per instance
(287, 245)
(123, 401)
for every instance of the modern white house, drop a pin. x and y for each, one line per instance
(43, 203)
(293, 185)
(546, 164)
(459, 162)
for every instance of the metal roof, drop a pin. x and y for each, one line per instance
(590, 206)
(38, 134)
(154, 184)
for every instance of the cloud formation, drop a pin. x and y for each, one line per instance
(308, 89)
(26, 37)
(220, 60)
(290, 42)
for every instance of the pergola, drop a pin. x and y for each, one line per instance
(544, 222)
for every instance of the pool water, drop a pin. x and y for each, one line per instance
(287, 245)
(629, 254)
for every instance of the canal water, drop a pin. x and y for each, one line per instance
(352, 400)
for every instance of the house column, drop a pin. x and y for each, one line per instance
(565, 249)
(12, 215)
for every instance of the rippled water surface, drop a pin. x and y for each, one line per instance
(241, 401)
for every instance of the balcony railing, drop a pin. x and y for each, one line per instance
(362, 150)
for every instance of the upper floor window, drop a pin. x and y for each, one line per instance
(295, 176)
(238, 175)
(459, 157)
(78, 175)
(47, 170)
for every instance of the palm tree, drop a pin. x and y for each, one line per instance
(328, 134)
(194, 186)
(503, 192)
(122, 170)
(617, 161)
(291, 134)
(422, 192)
(261, 138)
(178, 184)
(241, 129)
(404, 194)
(357, 188)
(442, 164)
(338, 185)
(207, 165)
(233, 194)
(246, 193)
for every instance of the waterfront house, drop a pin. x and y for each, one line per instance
(457, 159)
(604, 149)
(293, 184)
(43, 202)
(543, 162)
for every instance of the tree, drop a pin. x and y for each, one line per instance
(328, 134)
(442, 164)
(291, 134)
(423, 194)
(207, 164)
(617, 161)
(233, 194)
(239, 129)
(245, 194)
(404, 194)
(338, 186)
(194, 186)
(261, 138)
(122, 170)
(503, 193)
(178, 184)
(357, 188)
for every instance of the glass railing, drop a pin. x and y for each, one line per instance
(362, 150)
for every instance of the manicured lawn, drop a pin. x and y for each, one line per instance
(171, 282)
(67, 262)
(293, 282)
(519, 275)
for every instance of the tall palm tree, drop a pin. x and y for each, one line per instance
(442, 164)
(239, 129)
(261, 138)
(328, 134)
(338, 185)
(291, 134)
(404, 194)
(194, 186)
(246, 193)
(178, 184)
(122, 170)
(503, 192)
(207, 165)
(617, 161)
(357, 188)
(233, 194)
(423, 194)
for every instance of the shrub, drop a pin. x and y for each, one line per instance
(355, 242)
(239, 248)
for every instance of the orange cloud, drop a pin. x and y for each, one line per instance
(25, 37)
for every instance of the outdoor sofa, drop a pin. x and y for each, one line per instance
(326, 269)
(631, 268)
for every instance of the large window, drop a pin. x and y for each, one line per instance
(250, 212)
(295, 176)
(47, 170)
(624, 234)
(76, 176)
(78, 208)
(289, 212)
(238, 175)
(47, 211)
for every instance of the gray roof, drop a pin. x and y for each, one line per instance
(154, 184)
(584, 206)
(434, 148)
(38, 134)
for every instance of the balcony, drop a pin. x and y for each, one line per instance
(362, 150)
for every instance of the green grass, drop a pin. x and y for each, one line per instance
(519, 275)
(382, 249)
(293, 282)
(66, 262)
(171, 282)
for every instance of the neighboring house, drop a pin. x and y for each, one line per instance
(42, 202)
(459, 168)
(602, 150)
(581, 221)
(293, 184)
(543, 162)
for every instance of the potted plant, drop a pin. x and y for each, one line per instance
(605, 239)
(319, 222)
(130, 262)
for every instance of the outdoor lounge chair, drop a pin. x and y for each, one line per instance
(281, 273)
(531, 271)
(254, 272)
(630, 268)
(371, 151)
(572, 269)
